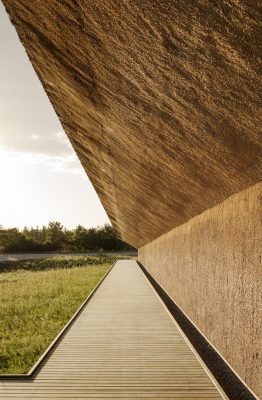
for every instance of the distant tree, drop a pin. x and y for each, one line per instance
(107, 237)
(68, 242)
(56, 237)
(55, 234)
(11, 240)
(26, 232)
(92, 240)
(80, 238)
(44, 234)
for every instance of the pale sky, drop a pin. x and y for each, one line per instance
(41, 179)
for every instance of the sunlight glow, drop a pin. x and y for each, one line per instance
(41, 178)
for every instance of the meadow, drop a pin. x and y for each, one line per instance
(37, 298)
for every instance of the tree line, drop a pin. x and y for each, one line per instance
(55, 237)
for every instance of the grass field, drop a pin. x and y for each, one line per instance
(35, 304)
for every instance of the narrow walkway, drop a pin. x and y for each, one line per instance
(124, 345)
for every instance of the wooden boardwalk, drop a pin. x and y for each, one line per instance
(123, 345)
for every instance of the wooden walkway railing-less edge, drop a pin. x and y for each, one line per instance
(46, 353)
(124, 344)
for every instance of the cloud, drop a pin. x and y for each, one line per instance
(60, 134)
(35, 137)
(66, 164)
(54, 143)
(51, 150)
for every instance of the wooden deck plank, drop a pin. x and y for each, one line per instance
(123, 345)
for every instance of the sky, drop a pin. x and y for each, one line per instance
(41, 178)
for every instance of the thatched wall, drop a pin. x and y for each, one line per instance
(212, 268)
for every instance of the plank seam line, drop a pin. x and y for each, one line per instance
(210, 375)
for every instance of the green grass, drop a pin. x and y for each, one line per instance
(36, 304)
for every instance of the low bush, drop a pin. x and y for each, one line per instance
(54, 263)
